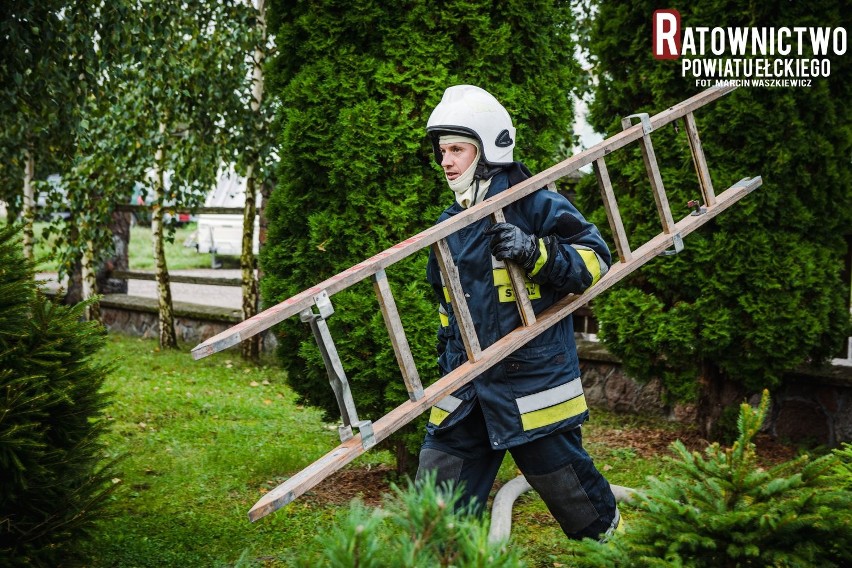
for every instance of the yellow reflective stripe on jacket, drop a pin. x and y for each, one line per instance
(542, 258)
(505, 292)
(592, 261)
(443, 408)
(443, 317)
(553, 405)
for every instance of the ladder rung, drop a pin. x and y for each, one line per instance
(519, 285)
(699, 160)
(397, 336)
(612, 212)
(650, 159)
(457, 298)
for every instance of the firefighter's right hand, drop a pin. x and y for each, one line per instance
(509, 242)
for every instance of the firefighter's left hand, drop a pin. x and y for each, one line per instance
(508, 242)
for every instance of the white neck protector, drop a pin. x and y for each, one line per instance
(468, 191)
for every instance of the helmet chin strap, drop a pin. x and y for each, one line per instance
(481, 180)
(484, 171)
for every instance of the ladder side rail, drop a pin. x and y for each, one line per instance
(516, 276)
(382, 260)
(309, 477)
(612, 213)
(700, 161)
(458, 300)
(396, 332)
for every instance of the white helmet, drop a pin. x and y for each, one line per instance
(471, 111)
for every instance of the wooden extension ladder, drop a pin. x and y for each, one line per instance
(314, 305)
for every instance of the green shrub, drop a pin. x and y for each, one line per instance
(418, 526)
(50, 419)
(722, 509)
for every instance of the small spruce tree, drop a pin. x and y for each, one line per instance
(54, 482)
(418, 526)
(723, 509)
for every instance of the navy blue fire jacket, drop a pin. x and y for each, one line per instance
(536, 390)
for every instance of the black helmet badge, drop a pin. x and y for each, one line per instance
(504, 139)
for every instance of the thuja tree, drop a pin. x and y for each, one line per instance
(51, 417)
(355, 86)
(723, 509)
(759, 291)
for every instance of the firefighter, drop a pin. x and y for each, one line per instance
(532, 403)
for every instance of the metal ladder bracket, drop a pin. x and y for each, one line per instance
(677, 242)
(747, 183)
(324, 308)
(365, 428)
(323, 303)
(643, 117)
(336, 374)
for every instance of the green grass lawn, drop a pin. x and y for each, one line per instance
(203, 440)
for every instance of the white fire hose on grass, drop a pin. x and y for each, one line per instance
(501, 510)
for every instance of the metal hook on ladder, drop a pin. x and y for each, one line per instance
(336, 374)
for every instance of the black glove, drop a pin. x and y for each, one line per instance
(508, 242)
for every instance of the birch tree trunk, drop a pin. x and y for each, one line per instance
(168, 337)
(251, 347)
(28, 210)
(93, 311)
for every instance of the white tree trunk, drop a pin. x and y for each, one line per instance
(251, 346)
(93, 311)
(168, 337)
(28, 210)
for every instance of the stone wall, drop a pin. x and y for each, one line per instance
(813, 406)
(194, 323)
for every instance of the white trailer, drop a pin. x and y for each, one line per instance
(222, 234)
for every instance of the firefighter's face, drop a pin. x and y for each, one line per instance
(457, 158)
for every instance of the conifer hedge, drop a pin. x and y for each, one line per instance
(53, 483)
(760, 290)
(355, 83)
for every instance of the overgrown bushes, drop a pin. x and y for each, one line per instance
(760, 290)
(50, 419)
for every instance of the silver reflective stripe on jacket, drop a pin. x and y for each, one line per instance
(443, 408)
(552, 405)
